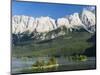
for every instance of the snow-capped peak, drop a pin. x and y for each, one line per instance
(27, 25)
(45, 24)
(88, 19)
(23, 23)
(74, 20)
(63, 22)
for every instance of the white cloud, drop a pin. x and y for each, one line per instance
(91, 8)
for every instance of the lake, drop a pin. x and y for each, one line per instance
(18, 64)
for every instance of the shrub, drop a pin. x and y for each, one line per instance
(52, 60)
(77, 58)
(39, 63)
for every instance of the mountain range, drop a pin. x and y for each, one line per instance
(45, 27)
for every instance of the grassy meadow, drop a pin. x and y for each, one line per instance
(71, 44)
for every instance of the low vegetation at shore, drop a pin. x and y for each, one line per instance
(51, 62)
(77, 58)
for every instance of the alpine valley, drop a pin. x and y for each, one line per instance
(44, 44)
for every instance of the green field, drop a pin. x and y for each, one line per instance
(69, 44)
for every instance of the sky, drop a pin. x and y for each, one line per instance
(54, 10)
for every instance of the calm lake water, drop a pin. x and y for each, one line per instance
(18, 64)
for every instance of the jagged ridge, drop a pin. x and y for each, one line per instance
(48, 28)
